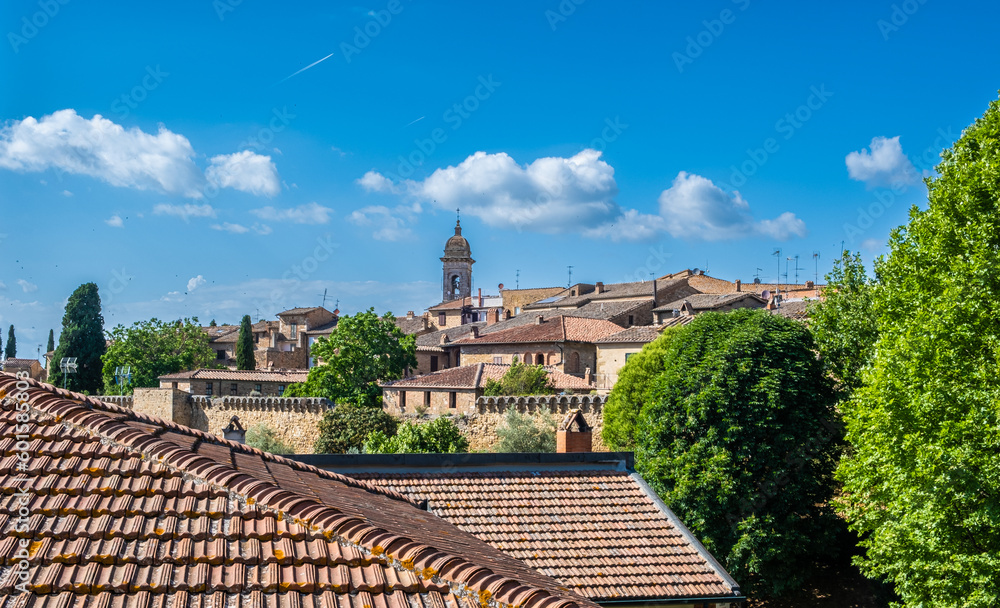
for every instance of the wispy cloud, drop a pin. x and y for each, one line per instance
(115, 221)
(413, 122)
(27, 286)
(310, 213)
(185, 212)
(196, 282)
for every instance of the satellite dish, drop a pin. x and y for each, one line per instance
(695, 271)
(500, 286)
(756, 281)
(766, 294)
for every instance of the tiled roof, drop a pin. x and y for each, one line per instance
(453, 304)
(640, 334)
(474, 376)
(15, 362)
(325, 329)
(601, 533)
(796, 309)
(704, 301)
(299, 311)
(129, 510)
(676, 321)
(434, 338)
(261, 375)
(411, 326)
(562, 328)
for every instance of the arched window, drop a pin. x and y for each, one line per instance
(456, 282)
(539, 359)
(573, 365)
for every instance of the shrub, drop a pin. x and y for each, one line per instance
(524, 433)
(346, 426)
(265, 438)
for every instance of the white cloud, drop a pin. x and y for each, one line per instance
(373, 181)
(195, 282)
(388, 226)
(115, 221)
(884, 165)
(262, 229)
(695, 208)
(101, 149)
(245, 171)
(67, 193)
(185, 212)
(3, 285)
(26, 286)
(310, 213)
(630, 226)
(234, 228)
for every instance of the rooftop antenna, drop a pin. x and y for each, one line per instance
(570, 268)
(787, 259)
(68, 366)
(324, 299)
(517, 279)
(777, 254)
(257, 313)
(797, 269)
(816, 260)
(756, 276)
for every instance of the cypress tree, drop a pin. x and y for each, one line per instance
(51, 346)
(244, 346)
(82, 337)
(11, 351)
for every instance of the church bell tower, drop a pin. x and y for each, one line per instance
(457, 267)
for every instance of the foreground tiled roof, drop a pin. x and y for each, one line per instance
(640, 334)
(602, 533)
(260, 375)
(562, 328)
(129, 510)
(475, 376)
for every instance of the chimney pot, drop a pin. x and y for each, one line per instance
(409, 314)
(599, 287)
(539, 320)
(475, 331)
(739, 285)
(810, 284)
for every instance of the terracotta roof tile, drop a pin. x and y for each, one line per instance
(262, 375)
(704, 301)
(561, 328)
(129, 510)
(639, 334)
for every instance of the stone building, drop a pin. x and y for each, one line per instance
(234, 383)
(699, 303)
(456, 281)
(455, 390)
(615, 350)
(281, 344)
(33, 368)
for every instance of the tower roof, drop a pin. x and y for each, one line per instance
(457, 246)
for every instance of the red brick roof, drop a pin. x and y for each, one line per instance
(562, 328)
(129, 510)
(14, 362)
(260, 375)
(639, 334)
(474, 376)
(603, 534)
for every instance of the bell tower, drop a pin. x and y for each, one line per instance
(457, 264)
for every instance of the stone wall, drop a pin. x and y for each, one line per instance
(119, 400)
(295, 420)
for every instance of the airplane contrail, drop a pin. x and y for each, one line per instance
(415, 121)
(305, 68)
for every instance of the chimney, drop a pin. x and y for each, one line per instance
(493, 316)
(599, 287)
(810, 285)
(480, 297)
(235, 431)
(475, 331)
(539, 320)
(739, 285)
(574, 434)
(409, 314)
(445, 339)
(274, 337)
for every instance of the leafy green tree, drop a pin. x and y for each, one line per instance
(51, 346)
(154, 348)
(212, 323)
(922, 482)
(739, 436)
(439, 436)
(346, 426)
(521, 379)
(11, 350)
(244, 346)
(631, 393)
(265, 438)
(524, 433)
(843, 324)
(82, 337)
(362, 351)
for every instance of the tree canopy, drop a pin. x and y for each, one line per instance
(82, 337)
(346, 426)
(244, 346)
(265, 438)
(51, 345)
(154, 348)
(922, 481)
(11, 351)
(631, 393)
(362, 351)
(521, 379)
(842, 322)
(439, 436)
(737, 434)
(526, 433)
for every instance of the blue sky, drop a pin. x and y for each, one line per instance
(625, 139)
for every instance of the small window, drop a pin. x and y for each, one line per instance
(293, 330)
(220, 355)
(442, 319)
(434, 363)
(628, 356)
(631, 320)
(402, 401)
(208, 389)
(256, 387)
(232, 389)
(452, 400)
(281, 389)
(427, 398)
(517, 310)
(498, 360)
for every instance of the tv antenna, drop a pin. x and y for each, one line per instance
(816, 260)
(324, 298)
(756, 276)
(570, 280)
(777, 254)
(517, 279)
(68, 366)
